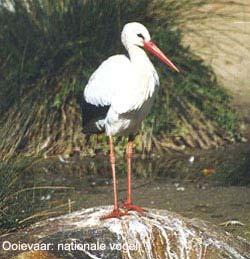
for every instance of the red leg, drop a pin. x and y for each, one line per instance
(128, 203)
(116, 213)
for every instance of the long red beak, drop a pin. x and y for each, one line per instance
(153, 49)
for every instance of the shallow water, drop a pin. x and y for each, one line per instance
(212, 185)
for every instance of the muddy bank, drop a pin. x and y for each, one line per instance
(211, 185)
(222, 41)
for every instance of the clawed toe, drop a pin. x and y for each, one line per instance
(130, 207)
(116, 213)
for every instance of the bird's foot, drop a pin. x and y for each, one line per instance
(129, 206)
(116, 213)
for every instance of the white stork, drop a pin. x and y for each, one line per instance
(119, 95)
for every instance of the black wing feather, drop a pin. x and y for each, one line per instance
(90, 115)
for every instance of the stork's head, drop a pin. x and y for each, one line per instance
(135, 33)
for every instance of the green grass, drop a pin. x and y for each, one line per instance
(30, 190)
(9, 178)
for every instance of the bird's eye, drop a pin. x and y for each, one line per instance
(141, 36)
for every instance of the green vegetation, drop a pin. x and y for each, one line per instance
(29, 191)
(8, 184)
(48, 49)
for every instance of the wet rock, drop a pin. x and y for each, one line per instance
(156, 234)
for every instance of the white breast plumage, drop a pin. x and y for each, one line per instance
(117, 83)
